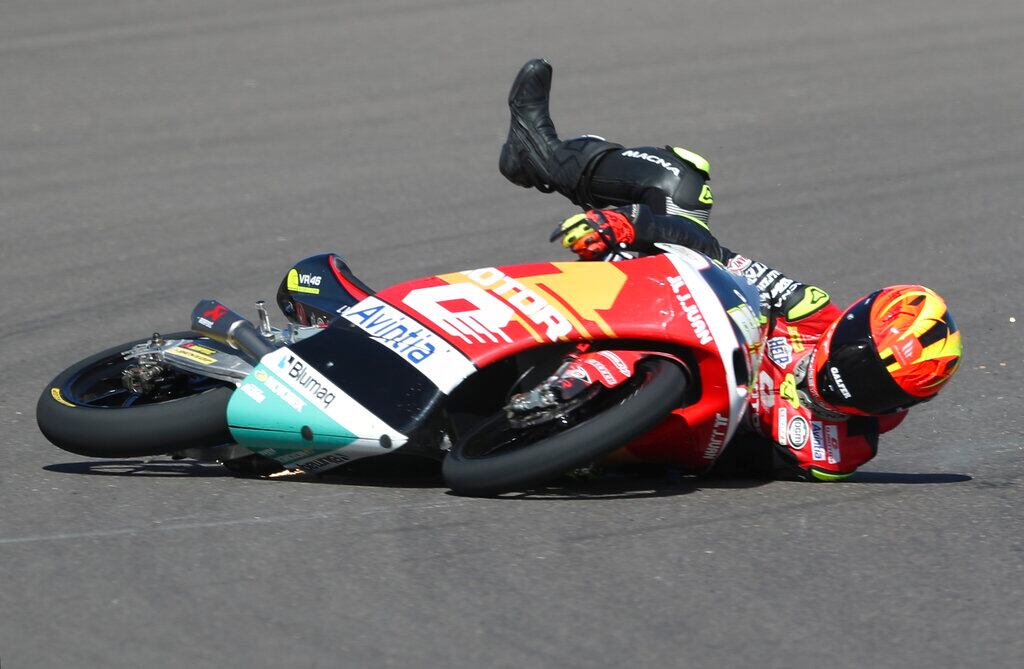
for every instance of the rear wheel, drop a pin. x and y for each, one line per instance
(87, 409)
(498, 456)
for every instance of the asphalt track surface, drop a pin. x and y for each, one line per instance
(153, 152)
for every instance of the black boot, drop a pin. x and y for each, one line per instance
(532, 139)
(533, 156)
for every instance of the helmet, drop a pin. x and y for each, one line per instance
(889, 350)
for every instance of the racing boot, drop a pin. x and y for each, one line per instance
(532, 139)
(533, 156)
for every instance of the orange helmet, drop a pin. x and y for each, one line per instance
(889, 350)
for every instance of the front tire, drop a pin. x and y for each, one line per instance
(82, 411)
(493, 458)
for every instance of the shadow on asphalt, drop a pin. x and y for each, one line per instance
(907, 479)
(638, 483)
(632, 482)
(404, 477)
(154, 468)
(625, 488)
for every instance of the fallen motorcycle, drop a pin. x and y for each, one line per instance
(510, 375)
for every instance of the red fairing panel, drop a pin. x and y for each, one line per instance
(494, 312)
(491, 313)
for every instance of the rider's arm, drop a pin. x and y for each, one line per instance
(835, 450)
(781, 296)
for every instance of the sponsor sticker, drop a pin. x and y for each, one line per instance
(391, 327)
(414, 342)
(190, 354)
(738, 264)
(657, 160)
(766, 388)
(606, 375)
(690, 309)
(288, 458)
(322, 462)
(253, 392)
(532, 305)
(767, 280)
(754, 272)
(780, 287)
(618, 362)
(215, 312)
(797, 432)
(281, 390)
(303, 283)
(719, 430)
(780, 351)
(782, 424)
(838, 378)
(832, 444)
(818, 440)
(55, 394)
(192, 346)
(463, 310)
(314, 387)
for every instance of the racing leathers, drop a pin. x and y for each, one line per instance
(664, 195)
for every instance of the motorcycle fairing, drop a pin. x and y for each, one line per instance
(693, 436)
(680, 298)
(288, 411)
(427, 336)
(417, 344)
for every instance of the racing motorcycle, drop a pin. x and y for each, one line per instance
(510, 375)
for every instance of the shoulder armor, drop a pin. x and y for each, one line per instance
(804, 302)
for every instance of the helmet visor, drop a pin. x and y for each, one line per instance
(854, 376)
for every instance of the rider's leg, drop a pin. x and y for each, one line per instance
(591, 171)
(533, 155)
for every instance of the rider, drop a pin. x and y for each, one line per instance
(831, 380)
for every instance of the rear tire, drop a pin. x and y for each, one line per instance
(193, 420)
(656, 388)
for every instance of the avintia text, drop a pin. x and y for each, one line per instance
(408, 338)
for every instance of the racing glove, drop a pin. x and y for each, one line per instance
(595, 233)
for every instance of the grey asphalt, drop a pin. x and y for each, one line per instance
(154, 152)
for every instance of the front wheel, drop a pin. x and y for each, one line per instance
(499, 457)
(87, 409)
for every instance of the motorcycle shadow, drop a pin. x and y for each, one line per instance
(621, 483)
(630, 482)
(907, 478)
(404, 477)
(637, 482)
(148, 468)
(640, 482)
